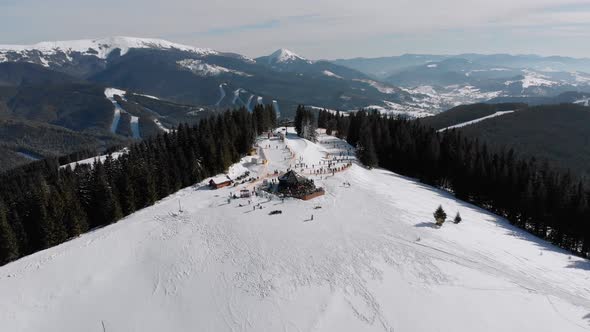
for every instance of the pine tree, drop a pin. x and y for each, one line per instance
(440, 215)
(104, 208)
(366, 151)
(299, 119)
(308, 130)
(457, 218)
(8, 242)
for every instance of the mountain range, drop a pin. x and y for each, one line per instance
(469, 78)
(156, 85)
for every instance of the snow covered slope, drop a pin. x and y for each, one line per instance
(370, 260)
(201, 68)
(100, 48)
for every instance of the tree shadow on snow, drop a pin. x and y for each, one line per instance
(584, 265)
(202, 187)
(426, 225)
(587, 317)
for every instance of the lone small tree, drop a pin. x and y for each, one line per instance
(457, 218)
(440, 216)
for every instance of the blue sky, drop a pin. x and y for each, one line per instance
(316, 29)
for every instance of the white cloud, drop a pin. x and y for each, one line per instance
(311, 26)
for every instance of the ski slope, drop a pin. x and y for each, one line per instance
(276, 107)
(134, 121)
(222, 92)
(110, 93)
(467, 123)
(249, 103)
(370, 260)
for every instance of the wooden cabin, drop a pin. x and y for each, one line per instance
(220, 182)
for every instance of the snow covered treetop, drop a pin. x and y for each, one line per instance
(101, 48)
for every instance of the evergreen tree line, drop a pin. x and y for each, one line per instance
(305, 123)
(42, 205)
(548, 203)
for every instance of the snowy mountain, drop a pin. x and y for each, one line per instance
(370, 259)
(84, 57)
(63, 83)
(100, 48)
(191, 75)
(283, 56)
(468, 78)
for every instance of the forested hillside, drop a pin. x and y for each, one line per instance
(465, 113)
(23, 141)
(531, 195)
(556, 133)
(42, 205)
(46, 113)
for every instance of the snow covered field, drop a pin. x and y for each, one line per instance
(370, 260)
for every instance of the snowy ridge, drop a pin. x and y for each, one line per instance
(331, 74)
(92, 160)
(100, 48)
(147, 96)
(201, 68)
(58, 53)
(477, 120)
(370, 260)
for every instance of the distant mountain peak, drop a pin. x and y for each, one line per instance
(284, 55)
